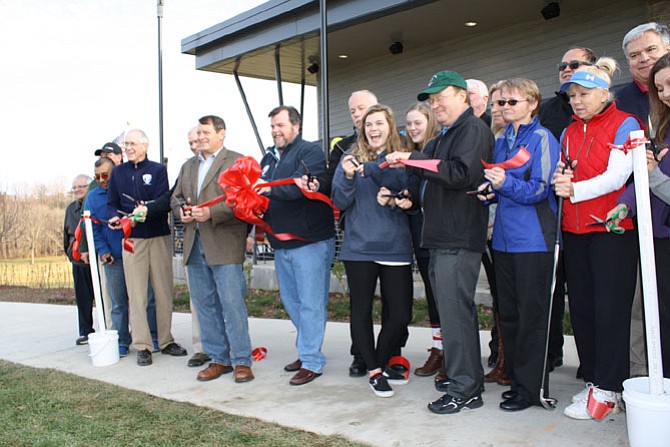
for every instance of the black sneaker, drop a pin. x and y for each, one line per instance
(83, 340)
(395, 377)
(144, 358)
(380, 386)
(358, 368)
(449, 405)
(174, 349)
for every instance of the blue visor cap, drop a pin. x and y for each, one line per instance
(585, 79)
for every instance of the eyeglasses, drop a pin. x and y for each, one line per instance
(131, 144)
(572, 64)
(76, 187)
(511, 102)
(431, 101)
(101, 176)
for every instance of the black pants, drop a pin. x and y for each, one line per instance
(524, 282)
(83, 293)
(433, 315)
(662, 254)
(601, 270)
(396, 293)
(557, 312)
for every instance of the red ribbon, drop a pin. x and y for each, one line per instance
(628, 145)
(127, 228)
(519, 159)
(598, 410)
(259, 354)
(239, 194)
(77, 241)
(428, 165)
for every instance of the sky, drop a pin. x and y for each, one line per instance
(77, 73)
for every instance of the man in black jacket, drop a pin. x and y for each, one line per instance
(454, 231)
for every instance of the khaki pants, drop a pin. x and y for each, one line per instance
(151, 261)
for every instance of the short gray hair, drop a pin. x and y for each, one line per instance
(639, 30)
(479, 85)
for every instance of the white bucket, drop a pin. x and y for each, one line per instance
(647, 416)
(104, 348)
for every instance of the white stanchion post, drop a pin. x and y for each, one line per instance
(648, 265)
(93, 256)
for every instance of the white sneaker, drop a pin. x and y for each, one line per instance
(583, 394)
(578, 409)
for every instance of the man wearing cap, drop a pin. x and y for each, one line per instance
(454, 231)
(140, 179)
(214, 244)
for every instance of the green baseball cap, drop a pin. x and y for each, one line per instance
(440, 81)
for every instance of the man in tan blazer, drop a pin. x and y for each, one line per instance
(214, 243)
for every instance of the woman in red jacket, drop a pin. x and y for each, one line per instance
(600, 290)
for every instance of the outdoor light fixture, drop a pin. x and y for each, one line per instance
(551, 11)
(396, 48)
(314, 68)
(342, 56)
(470, 24)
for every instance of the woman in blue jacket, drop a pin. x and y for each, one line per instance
(523, 239)
(377, 243)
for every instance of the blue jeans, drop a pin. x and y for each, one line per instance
(216, 293)
(303, 275)
(117, 289)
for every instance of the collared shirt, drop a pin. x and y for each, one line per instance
(203, 167)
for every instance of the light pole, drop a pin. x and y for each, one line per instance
(160, 79)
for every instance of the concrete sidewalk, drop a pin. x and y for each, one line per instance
(43, 336)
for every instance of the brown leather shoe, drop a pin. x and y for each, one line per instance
(441, 375)
(434, 362)
(303, 376)
(295, 366)
(214, 371)
(243, 374)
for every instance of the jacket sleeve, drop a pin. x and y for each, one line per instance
(113, 195)
(464, 165)
(315, 162)
(544, 149)
(343, 190)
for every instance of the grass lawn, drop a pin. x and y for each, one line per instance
(44, 407)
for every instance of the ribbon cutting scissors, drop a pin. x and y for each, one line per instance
(606, 223)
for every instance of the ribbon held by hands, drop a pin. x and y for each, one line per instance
(239, 182)
(628, 145)
(519, 159)
(428, 165)
(125, 226)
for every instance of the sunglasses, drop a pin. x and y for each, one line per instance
(572, 64)
(103, 176)
(511, 102)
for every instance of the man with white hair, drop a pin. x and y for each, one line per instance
(479, 98)
(141, 180)
(643, 46)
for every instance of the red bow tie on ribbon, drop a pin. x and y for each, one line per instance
(238, 183)
(628, 145)
(519, 159)
(78, 233)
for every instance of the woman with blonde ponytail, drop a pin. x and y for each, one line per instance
(600, 258)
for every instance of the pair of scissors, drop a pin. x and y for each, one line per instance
(606, 223)
(488, 189)
(310, 177)
(651, 144)
(397, 195)
(131, 198)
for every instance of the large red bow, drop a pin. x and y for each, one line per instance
(238, 183)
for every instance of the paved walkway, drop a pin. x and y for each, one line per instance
(43, 336)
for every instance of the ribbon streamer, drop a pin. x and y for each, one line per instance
(259, 354)
(428, 165)
(519, 159)
(78, 233)
(239, 182)
(629, 144)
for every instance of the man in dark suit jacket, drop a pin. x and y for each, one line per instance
(214, 244)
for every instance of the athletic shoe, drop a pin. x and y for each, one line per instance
(579, 409)
(123, 351)
(395, 377)
(449, 404)
(83, 340)
(380, 386)
(583, 394)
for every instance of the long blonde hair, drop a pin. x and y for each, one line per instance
(362, 150)
(432, 127)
